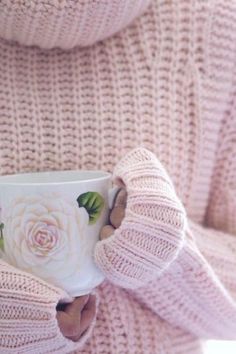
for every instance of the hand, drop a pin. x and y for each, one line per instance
(75, 318)
(116, 215)
(137, 248)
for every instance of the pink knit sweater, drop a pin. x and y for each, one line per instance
(155, 104)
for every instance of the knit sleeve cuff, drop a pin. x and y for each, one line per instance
(152, 231)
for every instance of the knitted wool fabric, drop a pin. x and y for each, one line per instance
(165, 83)
(28, 314)
(150, 238)
(65, 23)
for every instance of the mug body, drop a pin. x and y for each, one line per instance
(50, 223)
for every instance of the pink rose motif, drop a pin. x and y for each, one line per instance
(43, 239)
(45, 235)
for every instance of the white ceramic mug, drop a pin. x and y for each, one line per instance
(50, 223)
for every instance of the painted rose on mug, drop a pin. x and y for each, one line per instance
(41, 235)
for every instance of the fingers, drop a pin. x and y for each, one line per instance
(106, 232)
(69, 320)
(118, 212)
(77, 306)
(117, 215)
(86, 317)
(121, 198)
(88, 314)
(67, 325)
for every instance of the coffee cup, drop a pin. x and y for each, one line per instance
(50, 223)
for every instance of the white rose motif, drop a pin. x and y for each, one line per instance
(45, 235)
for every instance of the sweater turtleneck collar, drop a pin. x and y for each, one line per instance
(66, 23)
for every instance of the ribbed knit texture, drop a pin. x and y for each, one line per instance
(28, 321)
(153, 231)
(65, 23)
(166, 83)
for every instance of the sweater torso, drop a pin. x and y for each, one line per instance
(158, 84)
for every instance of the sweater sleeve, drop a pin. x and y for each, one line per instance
(182, 271)
(198, 291)
(28, 315)
(152, 232)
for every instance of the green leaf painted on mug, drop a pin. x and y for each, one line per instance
(93, 202)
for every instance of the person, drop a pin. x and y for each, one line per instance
(144, 89)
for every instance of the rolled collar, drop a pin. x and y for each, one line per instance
(66, 23)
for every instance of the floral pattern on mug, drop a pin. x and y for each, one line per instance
(93, 202)
(41, 235)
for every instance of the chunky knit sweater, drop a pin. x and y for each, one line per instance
(152, 100)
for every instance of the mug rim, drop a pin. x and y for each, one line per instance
(96, 175)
